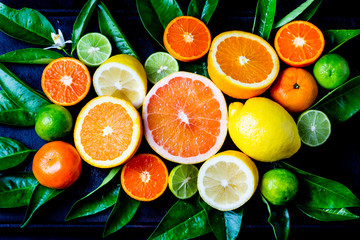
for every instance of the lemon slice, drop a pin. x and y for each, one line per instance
(227, 180)
(121, 76)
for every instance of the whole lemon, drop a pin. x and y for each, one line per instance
(263, 129)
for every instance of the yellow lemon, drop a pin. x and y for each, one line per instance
(263, 130)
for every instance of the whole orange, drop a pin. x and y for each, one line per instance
(295, 89)
(57, 165)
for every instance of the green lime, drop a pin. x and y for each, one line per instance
(183, 181)
(279, 186)
(331, 70)
(93, 49)
(314, 127)
(160, 64)
(53, 122)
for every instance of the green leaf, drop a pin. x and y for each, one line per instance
(264, 18)
(198, 67)
(11, 114)
(82, 21)
(110, 29)
(319, 192)
(202, 9)
(40, 196)
(12, 153)
(123, 211)
(185, 219)
(155, 15)
(16, 189)
(20, 93)
(279, 220)
(336, 38)
(226, 225)
(26, 25)
(30, 56)
(341, 103)
(98, 200)
(327, 215)
(304, 12)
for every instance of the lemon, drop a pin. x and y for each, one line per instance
(121, 76)
(263, 129)
(227, 180)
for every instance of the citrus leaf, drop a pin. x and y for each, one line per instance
(226, 225)
(26, 25)
(12, 153)
(341, 103)
(264, 18)
(202, 9)
(16, 189)
(111, 30)
(30, 56)
(198, 67)
(123, 211)
(336, 38)
(98, 200)
(327, 215)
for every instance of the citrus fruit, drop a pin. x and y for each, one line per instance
(107, 131)
(185, 118)
(299, 43)
(242, 64)
(53, 122)
(227, 180)
(314, 127)
(57, 165)
(279, 186)
(295, 89)
(66, 81)
(158, 65)
(183, 181)
(187, 38)
(331, 70)
(263, 129)
(144, 177)
(121, 76)
(93, 49)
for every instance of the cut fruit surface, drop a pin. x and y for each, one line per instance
(242, 64)
(107, 132)
(183, 181)
(158, 65)
(185, 118)
(299, 43)
(187, 38)
(121, 76)
(66, 81)
(144, 177)
(227, 180)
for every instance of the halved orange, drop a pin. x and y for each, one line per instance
(242, 64)
(66, 81)
(144, 177)
(185, 118)
(187, 38)
(299, 43)
(107, 131)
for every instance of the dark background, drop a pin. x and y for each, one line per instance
(338, 159)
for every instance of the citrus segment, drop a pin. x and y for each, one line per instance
(183, 181)
(160, 64)
(242, 64)
(66, 81)
(144, 177)
(107, 132)
(187, 38)
(185, 118)
(227, 180)
(299, 43)
(121, 76)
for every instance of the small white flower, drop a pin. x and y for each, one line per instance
(59, 41)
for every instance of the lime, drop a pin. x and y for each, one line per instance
(183, 181)
(93, 49)
(331, 70)
(53, 122)
(314, 127)
(279, 186)
(160, 64)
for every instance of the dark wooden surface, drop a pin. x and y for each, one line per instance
(337, 159)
